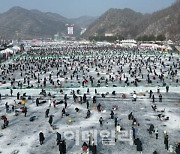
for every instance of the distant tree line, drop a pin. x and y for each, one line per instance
(106, 38)
(160, 37)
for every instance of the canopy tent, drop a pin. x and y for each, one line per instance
(16, 48)
(7, 51)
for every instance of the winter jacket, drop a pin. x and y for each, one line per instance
(41, 136)
(93, 149)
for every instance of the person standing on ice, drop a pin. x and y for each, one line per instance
(94, 149)
(62, 147)
(156, 132)
(25, 111)
(50, 120)
(166, 141)
(95, 91)
(115, 121)
(160, 98)
(63, 112)
(138, 143)
(87, 90)
(112, 114)
(41, 137)
(167, 88)
(37, 101)
(88, 114)
(47, 113)
(84, 98)
(65, 97)
(18, 96)
(94, 99)
(87, 104)
(7, 106)
(99, 107)
(158, 89)
(49, 102)
(153, 98)
(65, 104)
(54, 103)
(134, 133)
(101, 121)
(150, 93)
(11, 92)
(58, 139)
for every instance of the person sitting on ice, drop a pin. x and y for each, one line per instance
(61, 91)
(151, 129)
(32, 118)
(43, 92)
(85, 148)
(154, 107)
(118, 128)
(103, 95)
(134, 96)
(113, 93)
(177, 148)
(115, 107)
(160, 98)
(171, 149)
(134, 123)
(5, 120)
(130, 116)
(78, 91)
(124, 96)
(77, 109)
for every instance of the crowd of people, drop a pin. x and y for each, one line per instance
(57, 68)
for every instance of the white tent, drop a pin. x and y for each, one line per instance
(16, 48)
(7, 51)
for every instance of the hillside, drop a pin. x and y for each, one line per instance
(116, 21)
(27, 24)
(131, 24)
(84, 21)
(166, 21)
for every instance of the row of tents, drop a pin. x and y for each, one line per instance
(12, 50)
(4, 54)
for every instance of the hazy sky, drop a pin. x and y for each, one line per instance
(76, 8)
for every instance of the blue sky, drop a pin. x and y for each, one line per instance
(76, 8)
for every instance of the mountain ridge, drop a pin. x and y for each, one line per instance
(28, 24)
(131, 24)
